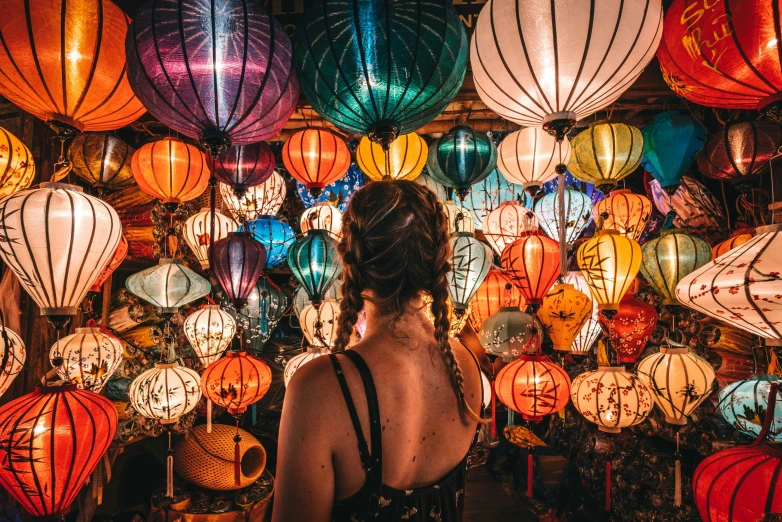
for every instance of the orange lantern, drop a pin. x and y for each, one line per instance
(236, 381)
(496, 291)
(17, 168)
(625, 212)
(631, 327)
(739, 237)
(533, 386)
(532, 264)
(316, 157)
(170, 170)
(564, 312)
(119, 256)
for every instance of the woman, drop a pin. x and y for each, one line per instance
(405, 387)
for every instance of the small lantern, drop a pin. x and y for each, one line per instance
(239, 261)
(533, 386)
(313, 352)
(609, 263)
(165, 392)
(102, 160)
(670, 257)
(605, 153)
(589, 333)
(236, 381)
(611, 398)
(625, 212)
(265, 306)
(506, 223)
(495, 292)
(459, 219)
(210, 331)
(528, 157)
(265, 199)
(17, 168)
(510, 333)
(170, 170)
(744, 404)
(301, 299)
(404, 158)
(168, 285)
(14, 353)
(323, 216)
(470, 262)
(532, 264)
(316, 157)
(489, 194)
(461, 157)
(89, 358)
(578, 214)
(275, 236)
(629, 330)
(243, 166)
(315, 263)
(564, 312)
(320, 324)
(196, 231)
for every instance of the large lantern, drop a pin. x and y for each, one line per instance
(165, 392)
(337, 193)
(323, 216)
(506, 223)
(404, 158)
(470, 262)
(243, 166)
(51, 441)
(170, 170)
(210, 331)
(670, 257)
(14, 353)
(275, 236)
(239, 261)
(461, 157)
(168, 285)
(532, 264)
(17, 168)
(625, 212)
(609, 263)
(679, 379)
(265, 306)
(236, 381)
(605, 153)
(510, 333)
(72, 78)
(265, 199)
(316, 157)
(739, 237)
(400, 63)
(197, 229)
(57, 240)
(744, 404)
(564, 312)
(578, 214)
(119, 256)
(533, 386)
(496, 291)
(611, 398)
(489, 194)
(89, 358)
(102, 160)
(671, 142)
(528, 157)
(320, 324)
(629, 330)
(315, 263)
(219, 73)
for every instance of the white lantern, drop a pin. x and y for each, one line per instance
(165, 392)
(470, 262)
(57, 240)
(506, 223)
(320, 324)
(210, 331)
(459, 219)
(324, 216)
(611, 398)
(313, 352)
(196, 231)
(261, 200)
(529, 157)
(14, 353)
(168, 285)
(89, 357)
(301, 299)
(680, 380)
(578, 214)
(591, 330)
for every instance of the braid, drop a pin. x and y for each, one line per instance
(352, 302)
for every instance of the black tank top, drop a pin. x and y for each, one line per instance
(442, 501)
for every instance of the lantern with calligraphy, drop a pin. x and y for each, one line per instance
(323, 216)
(510, 333)
(532, 264)
(17, 168)
(671, 142)
(460, 158)
(210, 331)
(236, 381)
(744, 404)
(165, 392)
(605, 153)
(404, 159)
(313, 352)
(609, 263)
(496, 291)
(625, 212)
(89, 357)
(533, 386)
(239, 261)
(506, 223)
(168, 285)
(670, 257)
(459, 219)
(528, 157)
(171, 171)
(116, 260)
(470, 262)
(275, 236)
(197, 228)
(629, 330)
(739, 237)
(265, 199)
(578, 214)
(319, 325)
(102, 160)
(315, 263)
(243, 166)
(14, 353)
(611, 398)
(316, 157)
(563, 313)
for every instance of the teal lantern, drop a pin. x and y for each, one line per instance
(265, 306)
(670, 257)
(274, 235)
(378, 68)
(671, 142)
(744, 404)
(461, 158)
(470, 262)
(314, 261)
(490, 193)
(168, 285)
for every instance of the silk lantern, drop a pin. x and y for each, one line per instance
(744, 405)
(12, 357)
(528, 157)
(671, 142)
(612, 398)
(606, 153)
(337, 193)
(209, 331)
(609, 263)
(495, 292)
(694, 206)
(563, 313)
(316, 157)
(577, 216)
(89, 357)
(322, 216)
(73, 79)
(625, 212)
(679, 379)
(236, 381)
(239, 261)
(197, 229)
(506, 223)
(510, 333)
(533, 386)
(739, 237)
(166, 392)
(219, 73)
(116, 260)
(629, 330)
(460, 158)
(404, 158)
(275, 236)
(243, 166)
(265, 199)
(532, 264)
(301, 299)
(103, 160)
(489, 194)
(51, 440)
(17, 168)
(589, 333)
(399, 66)
(459, 219)
(265, 306)
(670, 257)
(319, 325)
(313, 352)
(315, 263)
(56, 241)
(470, 262)
(168, 285)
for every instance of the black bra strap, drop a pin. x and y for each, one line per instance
(375, 430)
(363, 450)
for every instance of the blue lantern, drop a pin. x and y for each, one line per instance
(582, 186)
(274, 235)
(337, 193)
(314, 261)
(671, 143)
(744, 405)
(488, 194)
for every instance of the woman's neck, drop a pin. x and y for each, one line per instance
(412, 319)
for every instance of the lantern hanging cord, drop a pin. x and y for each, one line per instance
(561, 169)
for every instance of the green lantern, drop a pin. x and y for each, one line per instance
(168, 285)
(470, 262)
(462, 158)
(670, 257)
(314, 261)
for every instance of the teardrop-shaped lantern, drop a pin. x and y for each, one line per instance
(168, 285)
(496, 291)
(315, 263)
(470, 262)
(739, 237)
(625, 212)
(102, 160)
(239, 261)
(116, 260)
(275, 236)
(265, 199)
(529, 157)
(612, 398)
(17, 168)
(14, 354)
(196, 231)
(265, 306)
(209, 331)
(532, 264)
(405, 158)
(533, 386)
(591, 331)
(609, 263)
(236, 381)
(670, 257)
(319, 325)
(165, 392)
(316, 157)
(461, 157)
(744, 404)
(313, 352)
(605, 153)
(323, 216)
(629, 330)
(563, 313)
(578, 214)
(672, 140)
(338, 193)
(459, 219)
(510, 333)
(506, 223)
(89, 357)
(243, 166)
(170, 170)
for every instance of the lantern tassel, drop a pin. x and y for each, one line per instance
(170, 469)
(530, 464)
(608, 478)
(208, 416)
(493, 426)
(677, 492)
(237, 457)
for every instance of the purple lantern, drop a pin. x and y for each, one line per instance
(243, 166)
(216, 71)
(238, 263)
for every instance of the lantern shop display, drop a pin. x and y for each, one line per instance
(533, 386)
(577, 214)
(315, 263)
(165, 392)
(563, 313)
(510, 333)
(670, 257)
(612, 398)
(496, 291)
(630, 328)
(14, 353)
(197, 230)
(532, 264)
(316, 157)
(87, 358)
(209, 331)
(236, 381)
(238, 262)
(694, 206)
(292, 366)
(72, 79)
(322, 216)
(337, 193)
(319, 325)
(459, 219)
(460, 158)
(170, 170)
(243, 166)
(103, 160)
(490, 194)
(52, 441)
(404, 158)
(17, 167)
(609, 263)
(528, 157)
(265, 199)
(116, 260)
(275, 236)
(679, 379)
(168, 285)
(625, 212)
(265, 306)
(301, 299)
(739, 237)
(506, 223)
(470, 262)
(606, 153)
(744, 405)
(672, 140)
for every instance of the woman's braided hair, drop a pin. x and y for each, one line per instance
(395, 244)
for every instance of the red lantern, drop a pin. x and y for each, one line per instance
(532, 264)
(236, 381)
(316, 157)
(51, 440)
(243, 166)
(629, 330)
(238, 263)
(119, 256)
(495, 292)
(533, 386)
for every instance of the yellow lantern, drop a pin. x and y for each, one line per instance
(670, 257)
(404, 159)
(605, 153)
(609, 262)
(457, 322)
(17, 168)
(564, 312)
(625, 212)
(739, 237)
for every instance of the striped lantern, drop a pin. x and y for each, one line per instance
(533, 386)
(265, 199)
(470, 262)
(528, 157)
(739, 237)
(90, 357)
(489, 194)
(605, 153)
(102, 160)
(323, 216)
(316, 157)
(165, 392)
(236, 381)
(243, 166)
(461, 158)
(315, 263)
(668, 258)
(404, 159)
(209, 331)
(609, 263)
(623, 211)
(168, 285)
(15, 354)
(170, 170)
(17, 168)
(496, 291)
(238, 263)
(532, 264)
(197, 229)
(506, 223)
(611, 398)
(116, 260)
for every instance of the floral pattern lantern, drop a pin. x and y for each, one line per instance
(490, 194)
(14, 353)
(323, 216)
(320, 324)
(17, 168)
(168, 285)
(533, 386)
(532, 264)
(197, 230)
(337, 193)
(87, 358)
(102, 160)
(239, 261)
(510, 333)
(209, 331)
(275, 236)
(316, 157)
(528, 157)
(629, 330)
(165, 392)
(611, 398)
(670, 257)
(609, 263)
(671, 142)
(315, 263)
(459, 219)
(470, 262)
(744, 404)
(578, 214)
(265, 199)
(461, 158)
(564, 312)
(496, 291)
(243, 166)
(625, 212)
(119, 256)
(236, 381)
(313, 352)
(405, 158)
(606, 153)
(506, 223)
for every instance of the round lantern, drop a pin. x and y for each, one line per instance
(625, 212)
(742, 286)
(209, 331)
(629, 330)
(17, 168)
(265, 199)
(519, 71)
(496, 291)
(337, 193)
(57, 263)
(670, 257)
(611, 398)
(739, 237)
(102, 160)
(404, 158)
(165, 392)
(605, 153)
(459, 219)
(315, 263)
(313, 352)
(236, 381)
(470, 262)
(301, 299)
(679, 379)
(694, 206)
(529, 157)
(168, 285)
(222, 74)
(510, 333)
(72, 78)
(506, 223)
(489, 194)
(323, 216)
(532, 264)
(265, 306)
(89, 357)
(460, 158)
(243, 166)
(564, 312)
(170, 170)
(609, 263)
(671, 142)
(533, 386)
(744, 404)
(14, 354)
(196, 231)
(275, 236)
(119, 256)
(316, 157)
(239, 261)
(578, 214)
(394, 72)
(320, 324)
(52, 441)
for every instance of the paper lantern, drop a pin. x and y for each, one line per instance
(404, 159)
(243, 166)
(209, 331)
(170, 170)
(102, 160)
(337, 193)
(72, 78)
(496, 291)
(520, 73)
(533, 386)
(563, 313)
(589, 333)
(470, 262)
(744, 404)
(165, 392)
(489, 194)
(89, 358)
(219, 73)
(51, 440)
(506, 223)
(265, 199)
(609, 263)
(694, 206)
(456, 322)
(116, 260)
(629, 330)
(57, 240)
(315, 263)
(578, 214)
(742, 286)
(532, 264)
(17, 168)
(529, 157)
(605, 153)
(239, 260)
(168, 285)
(611, 398)
(739, 237)
(14, 354)
(459, 219)
(510, 333)
(275, 236)
(236, 381)
(322, 216)
(679, 379)
(316, 157)
(671, 142)
(433, 185)
(460, 158)
(313, 352)
(196, 231)
(265, 306)
(625, 212)
(670, 257)
(319, 325)
(400, 64)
